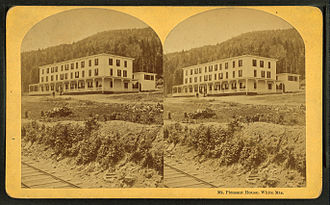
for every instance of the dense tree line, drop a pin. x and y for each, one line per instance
(141, 44)
(285, 45)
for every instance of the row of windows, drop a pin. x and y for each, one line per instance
(217, 67)
(292, 78)
(64, 76)
(148, 77)
(82, 65)
(218, 76)
(215, 87)
(269, 74)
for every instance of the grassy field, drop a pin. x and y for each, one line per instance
(85, 106)
(284, 108)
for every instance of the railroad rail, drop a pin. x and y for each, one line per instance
(33, 177)
(176, 178)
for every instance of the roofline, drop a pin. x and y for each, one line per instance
(235, 57)
(100, 54)
(145, 72)
(288, 73)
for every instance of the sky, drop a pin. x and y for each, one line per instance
(218, 25)
(74, 25)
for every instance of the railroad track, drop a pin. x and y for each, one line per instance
(176, 178)
(33, 177)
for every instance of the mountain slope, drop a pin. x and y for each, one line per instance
(141, 44)
(285, 45)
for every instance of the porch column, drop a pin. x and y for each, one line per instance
(236, 85)
(246, 86)
(93, 84)
(102, 84)
(85, 81)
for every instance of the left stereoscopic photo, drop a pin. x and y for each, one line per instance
(92, 102)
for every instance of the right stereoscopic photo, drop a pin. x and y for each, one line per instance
(235, 102)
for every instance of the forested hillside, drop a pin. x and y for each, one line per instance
(285, 45)
(141, 44)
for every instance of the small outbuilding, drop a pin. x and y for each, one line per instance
(288, 82)
(147, 81)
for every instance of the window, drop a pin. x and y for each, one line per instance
(210, 68)
(89, 72)
(126, 85)
(261, 64)
(83, 73)
(119, 73)
(226, 75)
(269, 74)
(200, 78)
(82, 64)
(292, 78)
(42, 79)
(270, 86)
(56, 69)
(76, 74)
(66, 76)
(71, 75)
(200, 70)
(255, 73)
(215, 76)
(152, 77)
(117, 62)
(96, 72)
(262, 74)
(255, 85)
(240, 63)
(205, 77)
(47, 70)
(125, 73)
(51, 78)
(46, 78)
(220, 76)
(190, 80)
(111, 85)
(186, 80)
(51, 69)
(56, 77)
(196, 70)
(220, 66)
(216, 67)
(110, 61)
(77, 64)
(195, 79)
(233, 74)
(147, 77)
(66, 66)
(42, 71)
(61, 67)
(269, 65)
(125, 64)
(240, 73)
(233, 64)
(226, 65)
(191, 71)
(210, 77)
(254, 62)
(210, 87)
(90, 63)
(205, 69)
(96, 61)
(72, 66)
(111, 71)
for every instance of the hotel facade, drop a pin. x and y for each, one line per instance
(102, 73)
(245, 74)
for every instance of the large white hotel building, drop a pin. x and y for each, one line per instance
(243, 74)
(102, 73)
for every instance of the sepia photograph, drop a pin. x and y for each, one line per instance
(92, 102)
(235, 102)
(184, 102)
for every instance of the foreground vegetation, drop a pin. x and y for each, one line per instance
(251, 146)
(94, 142)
